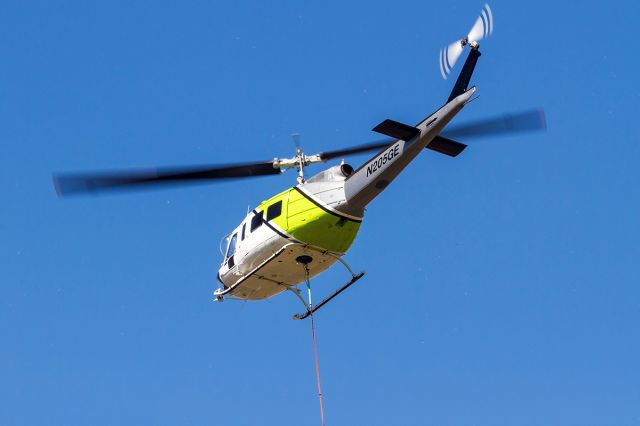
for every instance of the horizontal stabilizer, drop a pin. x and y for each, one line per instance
(397, 130)
(446, 146)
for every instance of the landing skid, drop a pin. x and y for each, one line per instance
(313, 309)
(304, 261)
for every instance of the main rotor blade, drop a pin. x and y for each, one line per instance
(66, 184)
(509, 123)
(375, 146)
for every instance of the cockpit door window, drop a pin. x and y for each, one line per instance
(256, 221)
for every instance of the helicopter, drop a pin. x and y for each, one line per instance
(302, 231)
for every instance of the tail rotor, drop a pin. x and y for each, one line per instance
(482, 28)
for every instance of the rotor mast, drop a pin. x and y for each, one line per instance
(299, 161)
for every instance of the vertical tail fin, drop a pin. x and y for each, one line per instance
(465, 75)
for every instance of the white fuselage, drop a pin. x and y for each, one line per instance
(263, 260)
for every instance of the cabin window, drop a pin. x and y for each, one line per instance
(244, 226)
(232, 246)
(274, 210)
(256, 221)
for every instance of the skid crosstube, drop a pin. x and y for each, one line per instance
(354, 279)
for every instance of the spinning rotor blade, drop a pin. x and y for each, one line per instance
(509, 123)
(296, 141)
(66, 184)
(483, 26)
(375, 146)
(448, 57)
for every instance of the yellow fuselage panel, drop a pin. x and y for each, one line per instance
(312, 224)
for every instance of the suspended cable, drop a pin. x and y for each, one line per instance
(315, 344)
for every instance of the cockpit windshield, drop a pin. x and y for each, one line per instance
(231, 248)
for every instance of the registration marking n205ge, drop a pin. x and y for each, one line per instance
(388, 155)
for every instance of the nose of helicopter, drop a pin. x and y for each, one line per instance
(218, 293)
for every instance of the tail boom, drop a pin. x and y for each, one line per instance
(370, 179)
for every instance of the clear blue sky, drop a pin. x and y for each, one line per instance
(502, 286)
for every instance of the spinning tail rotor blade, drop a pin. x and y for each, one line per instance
(67, 184)
(509, 123)
(448, 57)
(483, 26)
